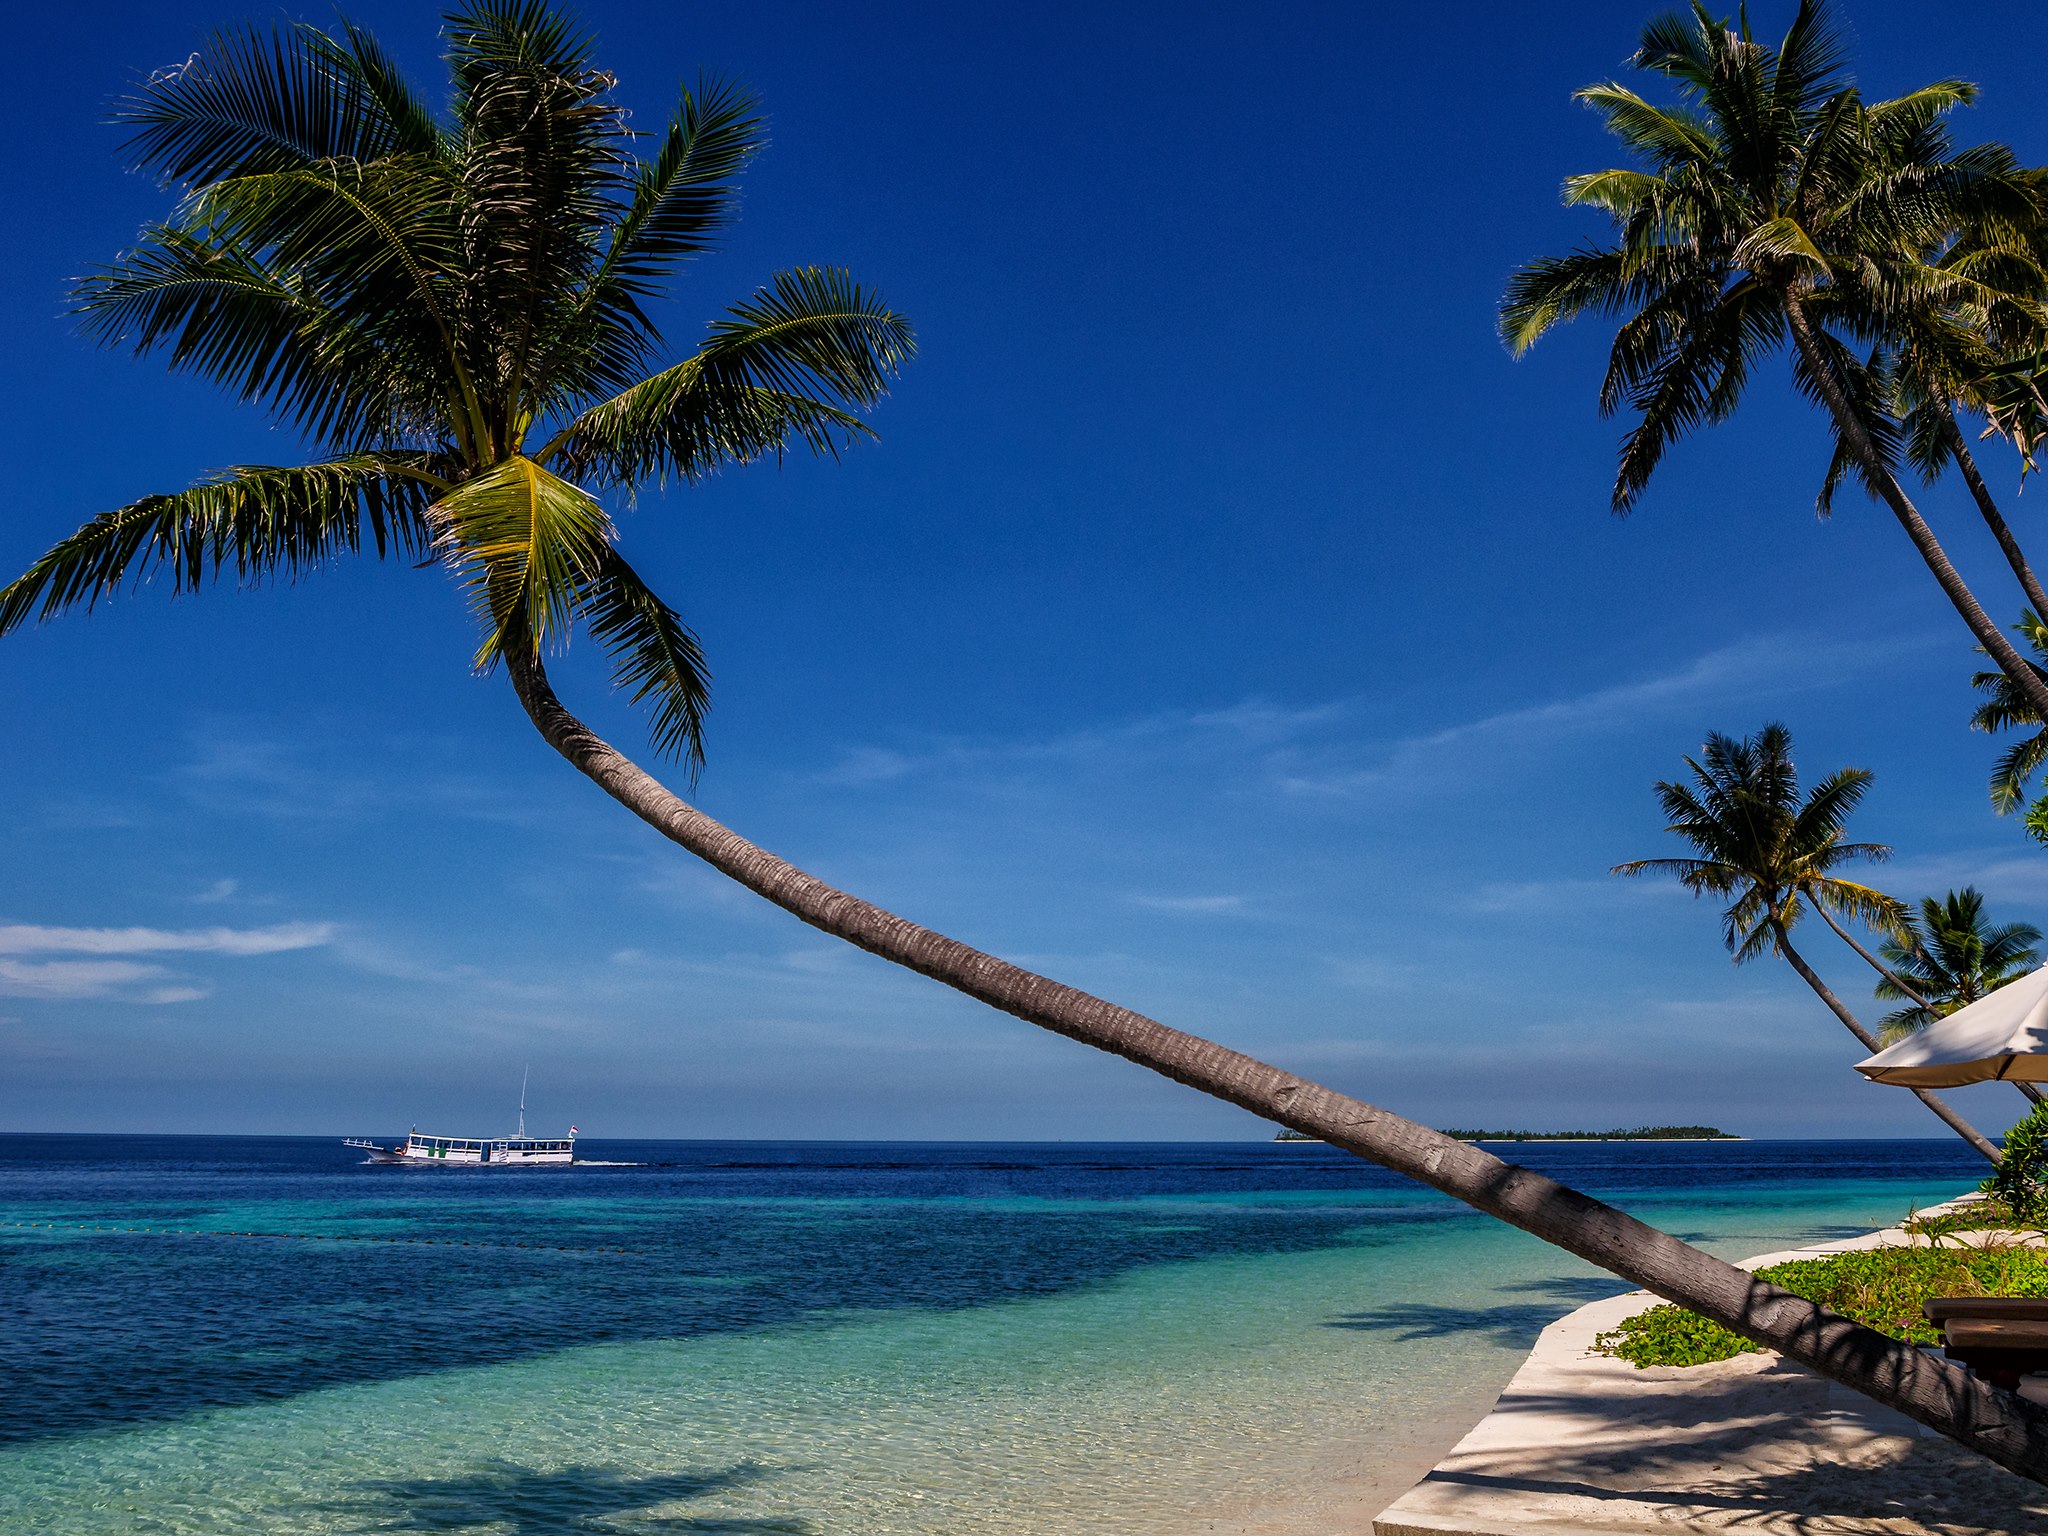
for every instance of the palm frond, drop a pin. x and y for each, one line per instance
(1554, 289)
(1811, 63)
(1898, 1024)
(264, 334)
(1869, 906)
(788, 366)
(1665, 135)
(526, 543)
(407, 125)
(653, 653)
(2015, 770)
(1820, 820)
(685, 197)
(254, 521)
(250, 103)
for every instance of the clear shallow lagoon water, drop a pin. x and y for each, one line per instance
(741, 1339)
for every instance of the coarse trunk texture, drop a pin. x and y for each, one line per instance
(2027, 1090)
(1966, 461)
(1825, 993)
(1988, 634)
(1999, 1424)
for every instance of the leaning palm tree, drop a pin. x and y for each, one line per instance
(1776, 856)
(1771, 206)
(454, 310)
(1949, 957)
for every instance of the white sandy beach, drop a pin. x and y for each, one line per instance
(1584, 1443)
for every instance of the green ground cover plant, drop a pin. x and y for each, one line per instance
(1881, 1288)
(1984, 1214)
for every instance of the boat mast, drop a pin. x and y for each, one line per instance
(522, 1099)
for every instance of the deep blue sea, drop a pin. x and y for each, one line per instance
(235, 1334)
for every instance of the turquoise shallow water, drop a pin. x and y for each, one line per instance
(813, 1340)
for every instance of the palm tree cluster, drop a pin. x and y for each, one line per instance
(1770, 206)
(1767, 206)
(1774, 855)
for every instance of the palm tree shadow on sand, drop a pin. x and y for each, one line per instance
(1510, 1323)
(569, 1501)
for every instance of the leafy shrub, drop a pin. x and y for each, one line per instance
(1881, 1288)
(2020, 1182)
(1984, 1214)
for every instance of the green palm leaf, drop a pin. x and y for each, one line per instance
(258, 521)
(2006, 708)
(654, 654)
(251, 104)
(525, 543)
(686, 196)
(787, 366)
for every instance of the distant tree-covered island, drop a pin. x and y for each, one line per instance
(1638, 1133)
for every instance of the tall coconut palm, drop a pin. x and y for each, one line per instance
(454, 311)
(1777, 856)
(1771, 206)
(1949, 957)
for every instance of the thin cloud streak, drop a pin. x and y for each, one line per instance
(1255, 723)
(68, 981)
(1728, 670)
(1201, 906)
(1325, 751)
(34, 939)
(1996, 873)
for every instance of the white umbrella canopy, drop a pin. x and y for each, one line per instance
(2004, 1036)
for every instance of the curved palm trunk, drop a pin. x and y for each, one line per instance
(1966, 461)
(1933, 1101)
(1999, 1424)
(1988, 634)
(2032, 1094)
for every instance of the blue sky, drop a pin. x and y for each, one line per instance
(1224, 623)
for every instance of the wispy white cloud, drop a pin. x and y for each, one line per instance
(259, 776)
(79, 980)
(2002, 876)
(1254, 724)
(1542, 896)
(34, 939)
(1778, 660)
(1201, 906)
(24, 974)
(219, 891)
(232, 766)
(1334, 750)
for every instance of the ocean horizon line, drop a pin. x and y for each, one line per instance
(997, 1141)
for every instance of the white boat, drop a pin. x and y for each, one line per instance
(518, 1150)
